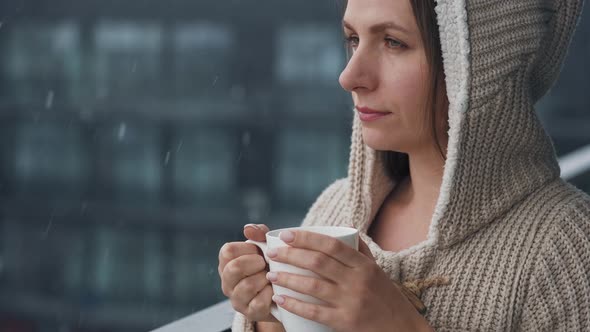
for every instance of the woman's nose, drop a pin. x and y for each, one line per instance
(358, 73)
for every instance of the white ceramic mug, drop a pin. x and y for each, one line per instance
(292, 322)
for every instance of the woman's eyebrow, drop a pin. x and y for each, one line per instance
(379, 27)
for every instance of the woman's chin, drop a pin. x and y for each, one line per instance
(377, 139)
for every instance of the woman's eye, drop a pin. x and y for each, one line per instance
(351, 41)
(393, 43)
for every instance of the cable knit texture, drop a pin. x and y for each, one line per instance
(509, 243)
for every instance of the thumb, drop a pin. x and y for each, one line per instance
(364, 249)
(256, 232)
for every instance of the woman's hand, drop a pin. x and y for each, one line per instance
(242, 270)
(358, 295)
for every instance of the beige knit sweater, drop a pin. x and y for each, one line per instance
(511, 237)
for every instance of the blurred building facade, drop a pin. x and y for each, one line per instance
(139, 136)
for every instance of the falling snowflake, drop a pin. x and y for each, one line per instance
(49, 99)
(167, 159)
(122, 131)
(49, 225)
(179, 146)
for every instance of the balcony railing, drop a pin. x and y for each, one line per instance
(575, 163)
(219, 316)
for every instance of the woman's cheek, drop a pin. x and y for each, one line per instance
(410, 83)
(410, 89)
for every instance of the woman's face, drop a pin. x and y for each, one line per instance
(387, 72)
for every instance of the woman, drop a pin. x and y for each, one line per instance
(453, 183)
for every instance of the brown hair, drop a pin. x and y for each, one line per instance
(396, 164)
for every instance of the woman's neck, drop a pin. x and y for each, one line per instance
(426, 172)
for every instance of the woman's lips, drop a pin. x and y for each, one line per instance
(367, 114)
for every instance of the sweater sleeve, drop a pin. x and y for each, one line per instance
(558, 296)
(330, 199)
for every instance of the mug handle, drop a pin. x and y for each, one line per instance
(274, 310)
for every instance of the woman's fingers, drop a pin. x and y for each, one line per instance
(321, 289)
(246, 291)
(316, 312)
(256, 232)
(233, 250)
(240, 268)
(259, 307)
(314, 261)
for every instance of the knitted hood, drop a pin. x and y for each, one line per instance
(499, 58)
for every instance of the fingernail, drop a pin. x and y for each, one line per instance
(278, 299)
(253, 226)
(287, 236)
(271, 252)
(271, 276)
